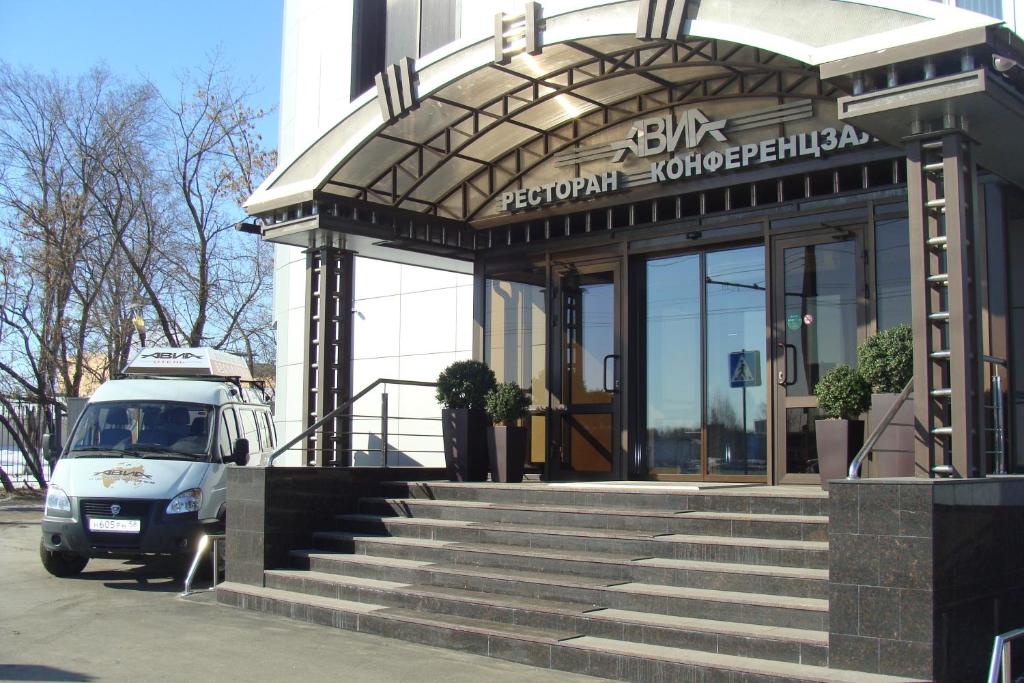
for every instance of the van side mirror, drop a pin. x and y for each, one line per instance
(240, 453)
(52, 447)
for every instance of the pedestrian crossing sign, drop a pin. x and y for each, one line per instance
(745, 369)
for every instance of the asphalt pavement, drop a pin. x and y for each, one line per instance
(124, 621)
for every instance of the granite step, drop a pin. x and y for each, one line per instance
(737, 550)
(745, 607)
(749, 525)
(563, 650)
(766, 642)
(605, 565)
(803, 500)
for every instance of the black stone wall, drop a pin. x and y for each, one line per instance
(272, 511)
(923, 574)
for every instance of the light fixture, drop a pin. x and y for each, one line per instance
(1003, 64)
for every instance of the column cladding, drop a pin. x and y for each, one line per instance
(328, 342)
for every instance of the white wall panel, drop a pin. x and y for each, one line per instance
(428, 322)
(376, 278)
(376, 327)
(416, 279)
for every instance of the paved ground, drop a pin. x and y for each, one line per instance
(123, 621)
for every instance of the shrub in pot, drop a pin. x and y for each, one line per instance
(886, 361)
(843, 394)
(461, 388)
(506, 441)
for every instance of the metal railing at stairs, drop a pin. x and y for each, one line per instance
(999, 669)
(385, 417)
(876, 433)
(999, 451)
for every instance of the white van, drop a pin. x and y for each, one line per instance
(144, 469)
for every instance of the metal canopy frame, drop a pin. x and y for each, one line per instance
(741, 71)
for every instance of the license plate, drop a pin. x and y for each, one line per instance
(117, 526)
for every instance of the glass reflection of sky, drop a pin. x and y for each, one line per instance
(735, 321)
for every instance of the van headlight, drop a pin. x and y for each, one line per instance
(57, 503)
(186, 501)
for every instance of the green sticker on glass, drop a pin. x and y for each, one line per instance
(793, 321)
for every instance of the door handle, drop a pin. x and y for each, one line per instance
(615, 381)
(783, 375)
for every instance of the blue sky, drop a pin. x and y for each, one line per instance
(154, 39)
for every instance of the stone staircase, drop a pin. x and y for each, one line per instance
(638, 583)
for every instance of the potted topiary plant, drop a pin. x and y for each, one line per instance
(886, 361)
(506, 440)
(461, 388)
(842, 396)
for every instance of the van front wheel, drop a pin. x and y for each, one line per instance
(62, 564)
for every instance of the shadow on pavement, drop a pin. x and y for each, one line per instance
(39, 672)
(162, 576)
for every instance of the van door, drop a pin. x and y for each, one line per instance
(215, 486)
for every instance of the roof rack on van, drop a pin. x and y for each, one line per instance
(244, 388)
(162, 362)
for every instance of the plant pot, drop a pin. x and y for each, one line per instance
(464, 433)
(838, 442)
(893, 454)
(506, 447)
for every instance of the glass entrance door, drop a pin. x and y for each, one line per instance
(587, 363)
(820, 316)
(707, 396)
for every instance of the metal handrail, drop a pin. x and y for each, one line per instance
(876, 433)
(1001, 656)
(343, 406)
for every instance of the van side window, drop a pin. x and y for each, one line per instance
(269, 424)
(228, 432)
(249, 427)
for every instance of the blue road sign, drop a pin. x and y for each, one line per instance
(745, 369)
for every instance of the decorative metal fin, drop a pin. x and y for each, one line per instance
(396, 89)
(661, 19)
(515, 34)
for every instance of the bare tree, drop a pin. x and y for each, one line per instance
(117, 202)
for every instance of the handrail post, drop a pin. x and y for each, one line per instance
(1000, 436)
(384, 427)
(1006, 661)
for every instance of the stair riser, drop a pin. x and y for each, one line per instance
(774, 505)
(560, 656)
(684, 607)
(679, 524)
(603, 628)
(710, 552)
(771, 585)
(660, 604)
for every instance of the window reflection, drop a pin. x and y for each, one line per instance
(821, 312)
(673, 364)
(892, 272)
(722, 292)
(737, 411)
(514, 344)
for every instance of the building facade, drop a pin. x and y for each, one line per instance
(666, 219)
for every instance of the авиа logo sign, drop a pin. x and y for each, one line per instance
(666, 134)
(170, 355)
(663, 134)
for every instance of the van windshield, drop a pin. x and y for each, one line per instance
(144, 429)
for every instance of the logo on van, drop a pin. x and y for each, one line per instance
(133, 476)
(170, 355)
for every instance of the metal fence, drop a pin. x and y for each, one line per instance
(12, 459)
